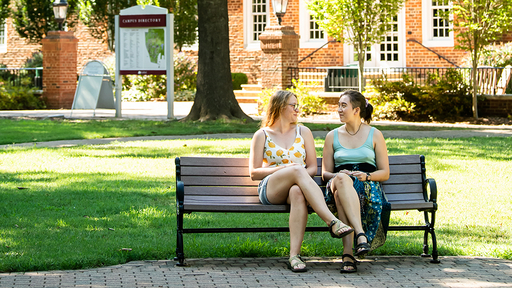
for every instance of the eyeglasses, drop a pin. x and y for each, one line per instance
(295, 106)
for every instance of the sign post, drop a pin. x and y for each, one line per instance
(144, 46)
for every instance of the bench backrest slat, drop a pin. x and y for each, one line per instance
(226, 180)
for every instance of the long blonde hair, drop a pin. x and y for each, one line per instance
(276, 105)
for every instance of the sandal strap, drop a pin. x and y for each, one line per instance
(349, 256)
(298, 260)
(361, 235)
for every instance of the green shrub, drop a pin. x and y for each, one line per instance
(144, 88)
(441, 97)
(310, 103)
(184, 95)
(238, 79)
(19, 97)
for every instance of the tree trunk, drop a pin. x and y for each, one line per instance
(214, 98)
(474, 73)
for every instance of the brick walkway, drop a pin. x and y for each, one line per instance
(272, 272)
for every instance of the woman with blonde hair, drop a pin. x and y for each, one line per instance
(355, 161)
(283, 157)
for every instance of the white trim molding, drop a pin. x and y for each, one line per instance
(256, 18)
(436, 31)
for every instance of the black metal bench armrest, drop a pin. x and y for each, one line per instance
(431, 183)
(180, 195)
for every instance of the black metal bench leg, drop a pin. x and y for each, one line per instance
(435, 255)
(430, 230)
(180, 255)
(425, 244)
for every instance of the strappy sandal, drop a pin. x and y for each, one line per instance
(340, 226)
(346, 264)
(362, 248)
(298, 261)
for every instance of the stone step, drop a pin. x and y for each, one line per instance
(243, 96)
(251, 87)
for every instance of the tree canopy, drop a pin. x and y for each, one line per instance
(4, 10)
(478, 23)
(360, 23)
(33, 19)
(99, 16)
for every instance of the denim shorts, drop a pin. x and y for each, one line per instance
(262, 191)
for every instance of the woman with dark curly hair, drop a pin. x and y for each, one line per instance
(355, 161)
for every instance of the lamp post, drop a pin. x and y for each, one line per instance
(279, 9)
(60, 9)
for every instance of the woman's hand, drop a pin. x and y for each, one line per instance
(359, 175)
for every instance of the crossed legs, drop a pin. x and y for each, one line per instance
(349, 209)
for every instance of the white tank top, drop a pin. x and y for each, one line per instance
(273, 155)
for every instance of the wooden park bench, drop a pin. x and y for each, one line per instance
(212, 184)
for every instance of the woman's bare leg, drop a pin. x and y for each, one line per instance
(279, 184)
(349, 203)
(297, 221)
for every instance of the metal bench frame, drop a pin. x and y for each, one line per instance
(214, 184)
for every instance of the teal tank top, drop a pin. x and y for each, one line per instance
(363, 154)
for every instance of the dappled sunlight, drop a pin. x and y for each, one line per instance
(100, 199)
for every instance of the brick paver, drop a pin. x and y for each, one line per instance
(392, 271)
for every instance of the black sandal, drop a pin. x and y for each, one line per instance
(362, 248)
(346, 264)
(334, 235)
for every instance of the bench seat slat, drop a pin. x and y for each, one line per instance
(405, 197)
(214, 161)
(226, 200)
(401, 188)
(404, 159)
(248, 208)
(404, 169)
(201, 180)
(221, 191)
(214, 171)
(399, 206)
(404, 179)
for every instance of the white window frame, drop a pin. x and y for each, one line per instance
(3, 46)
(348, 50)
(249, 42)
(428, 28)
(304, 29)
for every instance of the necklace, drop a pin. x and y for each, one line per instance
(356, 131)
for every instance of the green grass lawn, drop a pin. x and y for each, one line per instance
(89, 206)
(21, 130)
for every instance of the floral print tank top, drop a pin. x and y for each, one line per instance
(273, 155)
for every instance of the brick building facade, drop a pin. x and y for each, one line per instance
(408, 46)
(18, 49)
(248, 18)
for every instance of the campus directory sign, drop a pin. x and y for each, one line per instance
(142, 49)
(144, 46)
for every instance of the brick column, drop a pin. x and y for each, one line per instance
(280, 50)
(59, 69)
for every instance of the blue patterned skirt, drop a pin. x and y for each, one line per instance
(375, 210)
